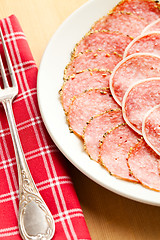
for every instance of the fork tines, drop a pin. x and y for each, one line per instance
(9, 64)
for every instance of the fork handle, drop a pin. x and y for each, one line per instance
(35, 220)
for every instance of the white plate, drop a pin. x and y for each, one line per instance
(50, 79)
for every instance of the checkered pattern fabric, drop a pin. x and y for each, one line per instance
(47, 165)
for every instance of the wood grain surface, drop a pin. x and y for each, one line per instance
(108, 215)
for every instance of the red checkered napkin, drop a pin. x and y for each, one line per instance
(47, 164)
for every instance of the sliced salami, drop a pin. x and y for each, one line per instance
(79, 82)
(146, 9)
(97, 127)
(138, 100)
(128, 23)
(153, 26)
(91, 60)
(87, 105)
(143, 164)
(114, 151)
(108, 41)
(151, 128)
(148, 43)
(135, 67)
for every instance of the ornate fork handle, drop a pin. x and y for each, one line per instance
(35, 219)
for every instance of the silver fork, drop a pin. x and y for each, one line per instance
(35, 220)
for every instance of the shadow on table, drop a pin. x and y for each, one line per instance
(110, 216)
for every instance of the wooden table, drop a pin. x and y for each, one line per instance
(108, 216)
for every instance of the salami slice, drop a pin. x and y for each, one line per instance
(95, 129)
(91, 60)
(128, 23)
(143, 164)
(153, 26)
(114, 151)
(79, 82)
(151, 128)
(87, 105)
(146, 9)
(135, 67)
(148, 43)
(138, 100)
(108, 41)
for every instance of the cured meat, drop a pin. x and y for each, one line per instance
(95, 129)
(153, 26)
(91, 60)
(151, 128)
(148, 43)
(138, 100)
(114, 151)
(107, 41)
(78, 83)
(91, 91)
(128, 23)
(146, 9)
(135, 67)
(143, 164)
(87, 105)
